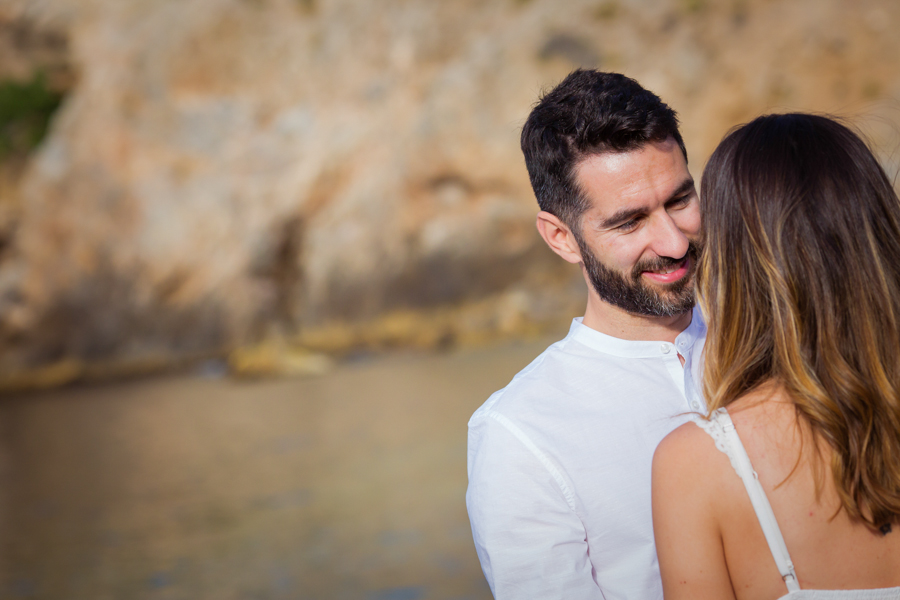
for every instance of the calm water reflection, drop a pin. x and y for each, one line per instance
(348, 485)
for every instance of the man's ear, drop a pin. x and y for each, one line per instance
(558, 236)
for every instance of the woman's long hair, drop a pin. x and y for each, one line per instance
(800, 283)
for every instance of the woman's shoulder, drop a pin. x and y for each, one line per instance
(762, 413)
(688, 456)
(692, 440)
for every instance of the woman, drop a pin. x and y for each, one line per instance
(800, 283)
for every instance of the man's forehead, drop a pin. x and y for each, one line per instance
(652, 172)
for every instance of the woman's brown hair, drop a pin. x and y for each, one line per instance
(800, 283)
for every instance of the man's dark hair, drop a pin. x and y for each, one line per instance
(588, 113)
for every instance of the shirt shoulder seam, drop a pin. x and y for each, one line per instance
(542, 458)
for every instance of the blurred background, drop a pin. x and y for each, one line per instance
(261, 259)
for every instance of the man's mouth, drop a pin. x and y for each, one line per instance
(669, 273)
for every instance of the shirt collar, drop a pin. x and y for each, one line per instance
(638, 349)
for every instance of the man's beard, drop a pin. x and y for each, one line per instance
(632, 294)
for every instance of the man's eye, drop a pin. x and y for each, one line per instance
(681, 201)
(628, 225)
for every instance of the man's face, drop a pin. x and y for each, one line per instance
(639, 236)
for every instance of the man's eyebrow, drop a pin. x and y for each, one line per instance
(621, 216)
(684, 188)
(628, 213)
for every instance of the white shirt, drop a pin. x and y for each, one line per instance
(559, 465)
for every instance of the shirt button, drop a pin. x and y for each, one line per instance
(665, 349)
(695, 404)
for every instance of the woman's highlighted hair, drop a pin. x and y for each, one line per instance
(800, 283)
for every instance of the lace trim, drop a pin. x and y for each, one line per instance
(715, 427)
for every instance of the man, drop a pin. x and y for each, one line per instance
(559, 460)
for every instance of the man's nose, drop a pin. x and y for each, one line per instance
(668, 239)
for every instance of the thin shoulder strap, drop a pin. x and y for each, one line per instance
(741, 463)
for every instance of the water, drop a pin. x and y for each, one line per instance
(347, 485)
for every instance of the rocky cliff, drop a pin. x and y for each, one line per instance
(331, 173)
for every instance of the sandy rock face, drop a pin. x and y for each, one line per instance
(226, 170)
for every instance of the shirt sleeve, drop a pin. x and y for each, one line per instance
(529, 539)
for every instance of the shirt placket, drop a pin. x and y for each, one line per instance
(673, 365)
(681, 375)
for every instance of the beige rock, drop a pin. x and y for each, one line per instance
(275, 358)
(227, 171)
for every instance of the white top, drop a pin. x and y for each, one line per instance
(722, 431)
(559, 465)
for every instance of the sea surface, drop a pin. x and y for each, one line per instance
(347, 485)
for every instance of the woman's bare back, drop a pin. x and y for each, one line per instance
(828, 549)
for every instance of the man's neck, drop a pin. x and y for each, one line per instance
(615, 322)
